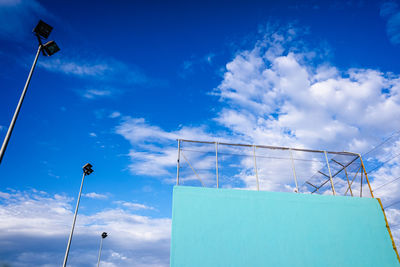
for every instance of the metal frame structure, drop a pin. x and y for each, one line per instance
(329, 176)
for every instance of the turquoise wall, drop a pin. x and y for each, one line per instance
(226, 227)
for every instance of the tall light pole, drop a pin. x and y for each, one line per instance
(103, 235)
(87, 169)
(42, 31)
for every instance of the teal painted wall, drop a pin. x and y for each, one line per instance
(226, 227)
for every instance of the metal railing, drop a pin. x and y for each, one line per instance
(272, 168)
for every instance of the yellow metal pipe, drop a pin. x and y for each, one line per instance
(388, 228)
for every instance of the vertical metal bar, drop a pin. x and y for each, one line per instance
(177, 162)
(98, 259)
(73, 223)
(348, 182)
(255, 167)
(216, 162)
(21, 99)
(361, 184)
(294, 170)
(330, 174)
(366, 175)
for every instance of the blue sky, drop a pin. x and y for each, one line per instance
(132, 77)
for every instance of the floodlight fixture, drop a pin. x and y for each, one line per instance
(104, 235)
(43, 29)
(87, 169)
(51, 48)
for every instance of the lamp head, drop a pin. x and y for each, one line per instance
(43, 29)
(104, 235)
(87, 169)
(51, 48)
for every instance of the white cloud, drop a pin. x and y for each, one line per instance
(28, 219)
(275, 95)
(95, 195)
(77, 68)
(154, 150)
(114, 115)
(390, 11)
(95, 93)
(97, 69)
(134, 206)
(93, 134)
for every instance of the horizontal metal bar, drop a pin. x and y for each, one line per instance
(311, 184)
(324, 174)
(338, 162)
(324, 183)
(271, 147)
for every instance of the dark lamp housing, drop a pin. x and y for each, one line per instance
(87, 169)
(43, 29)
(51, 48)
(104, 235)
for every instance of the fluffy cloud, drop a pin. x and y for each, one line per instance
(104, 69)
(35, 227)
(95, 195)
(134, 206)
(154, 151)
(276, 94)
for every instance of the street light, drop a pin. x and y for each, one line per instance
(103, 235)
(41, 31)
(87, 169)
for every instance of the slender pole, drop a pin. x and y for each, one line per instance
(21, 99)
(101, 244)
(366, 176)
(294, 170)
(73, 222)
(330, 174)
(361, 184)
(216, 162)
(255, 167)
(177, 162)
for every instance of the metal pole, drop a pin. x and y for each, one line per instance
(294, 170)
(255, 167)
(366, 176)
(101, 244)
(177, 162)
(361, 184)
(73, 222)
(330, 174)
(216, 162)
(21, 99)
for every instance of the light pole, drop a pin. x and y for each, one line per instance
(87, 169)
(103, 235)
(42, 31)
